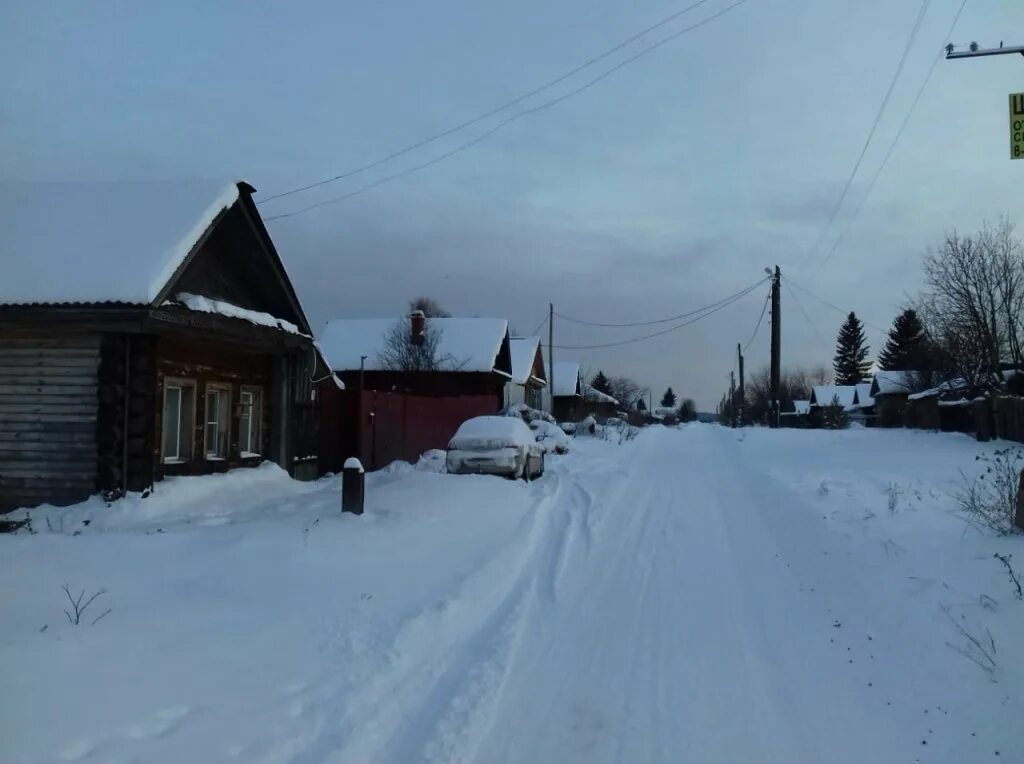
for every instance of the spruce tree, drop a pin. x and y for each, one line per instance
(601, 384)
(640, 405)
(668, 400)
(851, 364)
(905, 350)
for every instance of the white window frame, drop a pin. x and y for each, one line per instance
(223, 392)
(250, 441)
(181, 385)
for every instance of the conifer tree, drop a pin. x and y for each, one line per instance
(601, 384)
(850, 363)
(905, 350)
(668, 400)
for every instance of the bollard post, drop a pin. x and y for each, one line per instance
(1019, 519)
(353, 486)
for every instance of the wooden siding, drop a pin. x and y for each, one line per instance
(48, 413)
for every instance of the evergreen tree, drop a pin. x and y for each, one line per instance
(687, 410)
(601, 384)
(906, 348)
(668, 400)
(640, 405)
(851, 364)
(833, 416)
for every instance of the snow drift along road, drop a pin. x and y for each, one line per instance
(693, 595)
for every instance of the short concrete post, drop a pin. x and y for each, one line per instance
(1019, 519)
(353, 486)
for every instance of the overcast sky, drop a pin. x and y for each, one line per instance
(665, 187)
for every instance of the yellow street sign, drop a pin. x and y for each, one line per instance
(1016, 125)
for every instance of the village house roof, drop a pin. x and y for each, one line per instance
(801, 407)
(90, 243)
(465, 344)
(823, 395)
(596, 396)
(864, 397)
(524, 353)
(566, 379)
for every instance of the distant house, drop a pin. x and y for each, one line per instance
(890, 390)
(863, 408)
(146, 329)
(567, 392)
(597, 404)
(798, 417)
(528, 375)
(826, 395)
(801, 408)
(393, 411)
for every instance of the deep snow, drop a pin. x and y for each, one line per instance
(697, 594)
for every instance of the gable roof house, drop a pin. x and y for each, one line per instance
(146, 329)
(529, 378)
(410, 383)
(566, 391)
(890, 390)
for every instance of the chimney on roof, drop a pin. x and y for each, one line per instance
(418, 326)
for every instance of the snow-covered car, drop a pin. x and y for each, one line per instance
(495, 445)
(550, 436)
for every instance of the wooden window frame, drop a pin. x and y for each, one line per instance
(222, 389)
(181, 384)
(255, 418)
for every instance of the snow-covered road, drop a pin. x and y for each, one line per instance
(698, 595)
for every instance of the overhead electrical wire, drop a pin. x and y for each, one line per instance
(828, 304)
(807, 318)
(874, 126)
(497, 110)
(895, 140)
(539, 327)
(757, 327)
(632, 340)
(668, 320)
(509, 120)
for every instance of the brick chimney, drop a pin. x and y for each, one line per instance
(418, 326)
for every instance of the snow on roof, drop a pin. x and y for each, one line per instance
(892, 382)
(953, 385)
(466, 344)
(208, 305)
(864, 398)
(114, 242)
(564, 378)
(524, 352)
(801, 407)
(596, 396)
(823, 395)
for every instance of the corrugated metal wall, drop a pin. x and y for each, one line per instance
(48, 409)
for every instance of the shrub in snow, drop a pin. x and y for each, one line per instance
(990, 499)
(526, 413)
(833, 416)
(550, 436)
(587, 427)
(78, 607)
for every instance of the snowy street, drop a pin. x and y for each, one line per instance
(699, 594)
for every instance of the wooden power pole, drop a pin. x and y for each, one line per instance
(732, 399)
(551, 356)
(776, 362)
(742, 394)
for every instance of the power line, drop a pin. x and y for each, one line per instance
(874, 126)
(497, 110)
(899, 134)
(803, 312)
(828, 304)
(668, 320)
(511, 119)
(655, 334)
(539, 327)
(757, 328)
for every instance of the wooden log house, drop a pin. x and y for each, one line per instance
(146, 330)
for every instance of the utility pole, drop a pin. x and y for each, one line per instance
(776, 363)
(732, 398)
(551, 356)
(743, 400)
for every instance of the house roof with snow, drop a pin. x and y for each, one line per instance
(524, 352)
(565, 379)
(823, 395)
(102, 242)
(864, 398)
(465, 344)
(596, 396)
(801, 407)
(893, 382)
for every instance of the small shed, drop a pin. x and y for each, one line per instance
(890, 389)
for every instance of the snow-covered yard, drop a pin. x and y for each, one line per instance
(695, 594)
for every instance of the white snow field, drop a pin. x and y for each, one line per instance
(693, 595)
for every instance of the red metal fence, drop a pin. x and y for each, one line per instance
(383, 427)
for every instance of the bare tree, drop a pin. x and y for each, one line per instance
(973, 302)
(401, 353)
(625, 390)
(430, 307)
